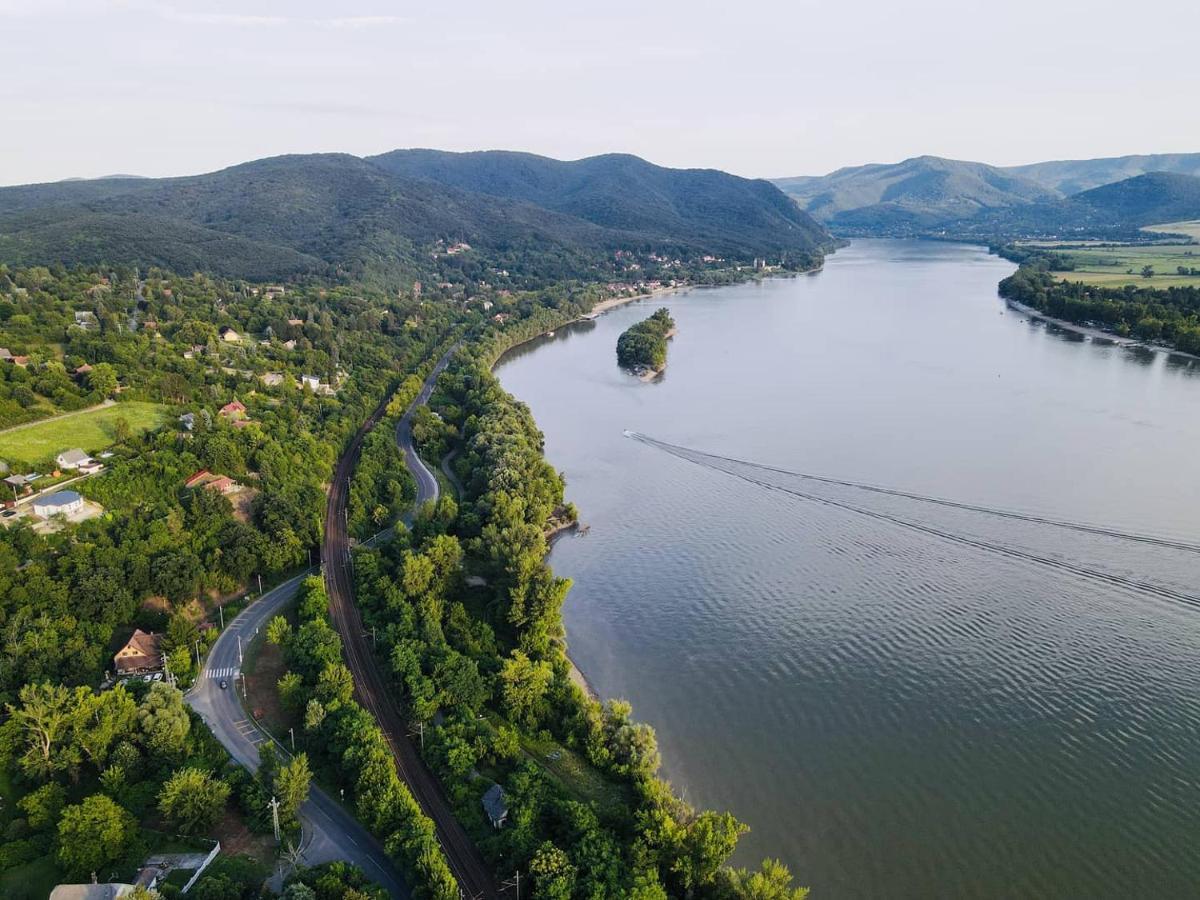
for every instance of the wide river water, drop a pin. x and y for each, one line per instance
(901, 698)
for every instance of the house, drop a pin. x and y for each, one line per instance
(91, 467)
(202, 477)
(298, 323)
(232, 410)
(86, 319)
(242, 423)
(83, 370)
(291, 345)
(21, 361)
(271, 291)
(312, 382)
(72, 459)
(495, 804)
(229, 336)
(111, 891)
(222, 484)
(5, 355)
(188, 421)
(141, 653)
(60, 503)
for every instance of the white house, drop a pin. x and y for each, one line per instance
(312, 382)
(72, 459)
(58, 503)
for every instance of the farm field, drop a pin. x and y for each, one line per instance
(1191, 229)
(1115, 265)
(91, 429)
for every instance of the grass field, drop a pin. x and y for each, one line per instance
(1191, 229)
(1115, 266)
(91, 429)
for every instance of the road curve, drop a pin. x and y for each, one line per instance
(471, 871)
(329, 831)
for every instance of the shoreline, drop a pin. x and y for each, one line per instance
(1095, 333)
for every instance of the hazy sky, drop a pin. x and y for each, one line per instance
(761, 88)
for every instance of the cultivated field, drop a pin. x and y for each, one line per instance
(1191, 229)
(90, 429)
(1114, 266)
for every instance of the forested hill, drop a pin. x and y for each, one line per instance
(1114, 209)
(1071, 176)
(332, 213)
(698, 207)
(910, 195)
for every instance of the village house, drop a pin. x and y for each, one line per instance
(312, 382)
(86, 319)
(229, 336)
(188, 421)
(291, 345)
(60, 503)
(296, 322)
(232, 411)
(141, 653)
(72, 459)
(495, 804)
(83, 370)
(271, 291)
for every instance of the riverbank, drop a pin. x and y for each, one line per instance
(1095, 333)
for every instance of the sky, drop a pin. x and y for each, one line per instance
(763, 88)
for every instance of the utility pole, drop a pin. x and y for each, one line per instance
(260, 585)
(239, 640)
(243, 674)
(421, 732)
(292, 732)
(197, 645)
(514, 882)
(274, 804)
(221, 610)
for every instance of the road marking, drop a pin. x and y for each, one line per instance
(224, 672)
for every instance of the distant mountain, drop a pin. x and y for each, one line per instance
(1113, 210)
(334, 212)
(910, 196)
(700, 207)
(1072, 176)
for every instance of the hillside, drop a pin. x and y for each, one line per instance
(702, 208)
(1071, 176)
(910, 196)
(291, 214)
(1114, 210)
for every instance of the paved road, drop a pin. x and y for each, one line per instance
(473, 874)
(329, 832)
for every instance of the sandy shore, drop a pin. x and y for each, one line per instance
(1096, 333)
(613, 302)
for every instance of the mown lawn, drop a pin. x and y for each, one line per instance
(91, 429)
(1116, 266)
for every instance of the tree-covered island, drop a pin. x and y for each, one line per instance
(643, 347)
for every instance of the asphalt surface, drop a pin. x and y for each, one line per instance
(473, 874)
(329, 832)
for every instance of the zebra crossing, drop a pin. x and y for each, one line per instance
(226, 672)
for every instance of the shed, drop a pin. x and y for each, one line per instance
(58, 503)
(495, 804)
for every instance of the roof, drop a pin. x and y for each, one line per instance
(90, 891)
(147, 651)
(220, 483)
(233, 406)
(59, 499)
(495, 804)
(74, 457)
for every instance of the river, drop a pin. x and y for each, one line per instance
(902, 699)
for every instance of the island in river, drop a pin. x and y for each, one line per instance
(642, 347)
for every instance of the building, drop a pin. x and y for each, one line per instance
(60, 503)
(291, 345)
(495, 804)
(111, 891)
(86, 319)
(271, 379)
(312, 382)
(188, 421)
(229, 336)
(202, 477)
(72, 459)
(298, 323)
(232, 410)
(141, 653)
(223, 484)
(83, 370)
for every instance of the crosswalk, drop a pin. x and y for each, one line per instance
(226, 672)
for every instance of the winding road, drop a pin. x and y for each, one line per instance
(329, 831)
(473, 874)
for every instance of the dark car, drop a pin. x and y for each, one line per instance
(224, 684)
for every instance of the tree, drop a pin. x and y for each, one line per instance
(121, 430)
(102, 379)
(552, 873)
(706, 843)
(93, 835)
(44, 717)
(1147, 271)
(41, 807)
(278, 630)
(164, 720)
(291, 691)
(772, 882)
(314, 714)
(524, 683)
(193, 800)
(291, 788)
(335, 684)
(100, 720)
